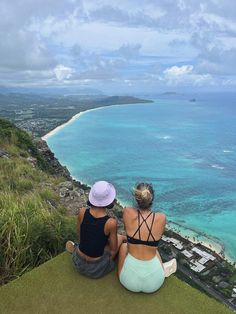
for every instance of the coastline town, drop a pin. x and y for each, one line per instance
(40, 114)
(201, 267)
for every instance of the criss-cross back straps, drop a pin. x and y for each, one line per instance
(139, 226)
(144, 221)
(149, 229)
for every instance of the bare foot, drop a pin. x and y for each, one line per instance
(70, 246)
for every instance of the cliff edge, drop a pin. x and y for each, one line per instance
(56, 287)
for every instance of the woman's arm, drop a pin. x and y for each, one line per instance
(112, 229)
(162, 219)
(78, 224)
(80, 217)
(129, 215)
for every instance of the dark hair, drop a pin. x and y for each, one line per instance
(144, 195)
(110, 206)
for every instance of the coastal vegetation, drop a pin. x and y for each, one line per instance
(33, 224)
(39, 114)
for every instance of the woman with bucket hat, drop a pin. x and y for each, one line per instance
(99, 241)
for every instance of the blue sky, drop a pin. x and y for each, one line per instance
(125, 46)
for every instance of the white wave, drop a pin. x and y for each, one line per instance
(217, 166)
(227, 151)
(164, 137)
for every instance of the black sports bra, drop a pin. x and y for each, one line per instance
(132, 240)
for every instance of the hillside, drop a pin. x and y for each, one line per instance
(55, 287)
(33, 224)
(38, 203)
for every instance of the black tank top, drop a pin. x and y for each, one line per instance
(92, 237)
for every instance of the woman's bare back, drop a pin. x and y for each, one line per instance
(157, 227)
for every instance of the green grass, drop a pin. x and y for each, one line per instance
(19, 142)
(33, 225)
(56, 287)
(31, 231)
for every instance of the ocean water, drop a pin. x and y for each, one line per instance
(187, 150)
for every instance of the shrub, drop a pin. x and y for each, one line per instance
(29, 233)
(33, 225)
(49, 195)
(20, 141)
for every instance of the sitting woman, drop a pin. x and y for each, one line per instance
(99, 241)
(140, 267)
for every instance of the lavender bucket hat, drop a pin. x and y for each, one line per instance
(102, 194)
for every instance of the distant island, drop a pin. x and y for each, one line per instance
(169, 93)
(40, 114)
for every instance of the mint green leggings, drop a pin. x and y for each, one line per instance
(142, 276)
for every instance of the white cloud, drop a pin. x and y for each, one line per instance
(184, 75)
(176, 71)
(62, 72)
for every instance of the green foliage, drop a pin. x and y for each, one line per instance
(33, 225)
(29, 233)
(20, 142)
(49, 195)
(233, 278)
(18, 175)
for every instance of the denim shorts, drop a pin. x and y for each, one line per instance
(142, 276)
(93, 269)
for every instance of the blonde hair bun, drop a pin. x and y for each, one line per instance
(144, 195)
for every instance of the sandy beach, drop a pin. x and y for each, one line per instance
(57, 129)
(75, 117)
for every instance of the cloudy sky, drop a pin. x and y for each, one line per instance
(119, 46)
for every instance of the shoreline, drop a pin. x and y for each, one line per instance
(185, 233)
(79, 114)
(197, 238)
(58, 128)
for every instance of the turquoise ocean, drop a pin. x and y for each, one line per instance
(186, 149)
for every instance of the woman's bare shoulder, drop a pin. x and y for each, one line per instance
(81, 213)
(129, 210)
(111, 223)
(161, 216)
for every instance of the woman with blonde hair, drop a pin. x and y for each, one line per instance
(140, 267)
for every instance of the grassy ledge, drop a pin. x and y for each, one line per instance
(56, 287)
